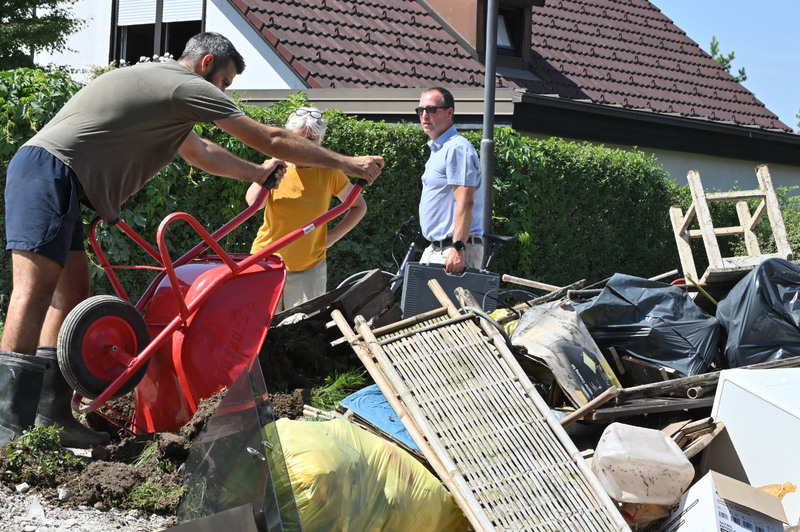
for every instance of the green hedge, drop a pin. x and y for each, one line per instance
(577, 210)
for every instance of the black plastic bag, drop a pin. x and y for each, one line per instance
(762, 314)
(652, 321)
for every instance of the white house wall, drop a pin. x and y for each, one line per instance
(716, 173)
(265, 69)
(90, 45)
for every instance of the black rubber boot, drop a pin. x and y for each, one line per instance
(21, 379)
(55, 409)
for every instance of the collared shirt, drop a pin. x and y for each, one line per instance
(453, 161)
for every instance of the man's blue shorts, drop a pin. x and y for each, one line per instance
(43, 212)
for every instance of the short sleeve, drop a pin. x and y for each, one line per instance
(338, 182)
(200, 101)
(462, 165)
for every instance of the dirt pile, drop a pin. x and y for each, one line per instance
(142, 472)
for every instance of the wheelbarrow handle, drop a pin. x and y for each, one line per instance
(270, 181)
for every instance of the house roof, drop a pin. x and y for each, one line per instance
(616, 53)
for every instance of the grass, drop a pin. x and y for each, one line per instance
(152, 495)
(37, 457)
(336, 388)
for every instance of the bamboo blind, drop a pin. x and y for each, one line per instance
(492, 435)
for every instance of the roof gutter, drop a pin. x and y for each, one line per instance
(724, 128)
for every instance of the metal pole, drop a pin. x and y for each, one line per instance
(487, 143)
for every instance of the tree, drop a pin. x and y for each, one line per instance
(724, 60)
(29, 26)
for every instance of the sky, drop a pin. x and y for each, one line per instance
(765, 36)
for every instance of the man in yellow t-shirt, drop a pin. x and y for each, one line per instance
(305, 193)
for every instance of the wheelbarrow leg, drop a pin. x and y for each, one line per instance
(55, 409)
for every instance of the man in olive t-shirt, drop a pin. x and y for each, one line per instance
(102, 147)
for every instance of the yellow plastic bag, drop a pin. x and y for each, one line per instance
(347, 479)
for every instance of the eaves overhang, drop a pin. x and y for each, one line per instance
(391, 105)
(554, 116)
(551, 115)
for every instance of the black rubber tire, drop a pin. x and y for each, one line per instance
(79, 323)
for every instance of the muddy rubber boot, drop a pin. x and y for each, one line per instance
(55, 408)
(21, 379)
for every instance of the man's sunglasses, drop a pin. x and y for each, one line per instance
(430, 109)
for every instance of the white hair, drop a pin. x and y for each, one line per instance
(316, 126)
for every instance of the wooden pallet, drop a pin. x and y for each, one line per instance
(483, 427)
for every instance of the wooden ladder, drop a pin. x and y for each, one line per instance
(720, 268)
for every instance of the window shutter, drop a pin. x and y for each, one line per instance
(132, 12)
(181, 10)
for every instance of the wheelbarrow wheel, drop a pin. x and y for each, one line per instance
(90, 332)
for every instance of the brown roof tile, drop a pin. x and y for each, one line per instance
(610, 52)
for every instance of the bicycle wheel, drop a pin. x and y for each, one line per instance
(89, 332)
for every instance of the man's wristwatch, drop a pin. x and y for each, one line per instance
(459, 245)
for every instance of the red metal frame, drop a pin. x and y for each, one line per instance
(133, 362)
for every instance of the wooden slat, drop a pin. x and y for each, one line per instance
(774, 213)
(704, 219)
(502, 449)
(682, 241)
(750, 239)
(735, 195)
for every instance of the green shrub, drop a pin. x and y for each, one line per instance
(577, 210)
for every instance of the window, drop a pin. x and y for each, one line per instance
(510, 32)
(155, 27)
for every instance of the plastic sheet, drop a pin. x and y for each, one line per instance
(554, 334)
(345, 478)
(371, 404)
(761, 315)
(652, 321)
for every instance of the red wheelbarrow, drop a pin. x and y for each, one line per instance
(207, 316)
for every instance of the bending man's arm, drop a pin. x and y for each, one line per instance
(283, 144)
(216, 160)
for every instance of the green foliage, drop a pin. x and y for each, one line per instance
(28, 100)
(580, 211)
(37, 457)
(577, 210)
(29, 26)
(725, 60)
(335, 389)
(154, 494)
(151, 496)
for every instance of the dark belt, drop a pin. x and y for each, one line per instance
(447, 242)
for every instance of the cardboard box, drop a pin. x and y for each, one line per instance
(761, 412)
(721, 504)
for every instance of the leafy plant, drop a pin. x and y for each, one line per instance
(336, 388)
(37, 457)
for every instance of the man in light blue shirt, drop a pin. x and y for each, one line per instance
(451, 208)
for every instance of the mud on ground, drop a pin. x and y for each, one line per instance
(294, 358)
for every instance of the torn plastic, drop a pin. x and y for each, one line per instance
(761, 315)
(553, 334)
(652, 321)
